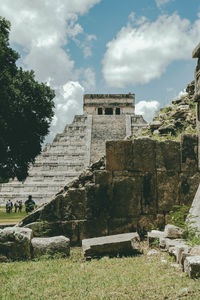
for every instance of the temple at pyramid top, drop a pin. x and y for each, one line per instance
(109, 104)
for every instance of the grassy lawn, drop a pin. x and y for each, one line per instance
(11, 218)
(142, 277)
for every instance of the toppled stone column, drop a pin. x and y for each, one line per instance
(119, 244)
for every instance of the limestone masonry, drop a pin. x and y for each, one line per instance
(106, 117)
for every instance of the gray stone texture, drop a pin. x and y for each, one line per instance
(173, 232)
(120, 244)
(15, 243)
(50, 246)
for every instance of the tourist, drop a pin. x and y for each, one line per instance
(11, 206)
(29, 204)
(16, 205)
(8, 206)
(20, 206)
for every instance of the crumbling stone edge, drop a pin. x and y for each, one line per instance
(171, 240)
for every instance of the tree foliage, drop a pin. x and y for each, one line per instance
(26, 111)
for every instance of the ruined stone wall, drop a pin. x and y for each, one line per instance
(142, 182)
(163, 174)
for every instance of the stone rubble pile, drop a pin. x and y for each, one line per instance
(171, 240)
(19, 244)
(178, 117)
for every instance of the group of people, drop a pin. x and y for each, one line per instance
(29, 205)
(9, 206)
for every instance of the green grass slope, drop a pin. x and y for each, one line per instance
(142, 277)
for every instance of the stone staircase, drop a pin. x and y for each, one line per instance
(104, 128)
(60, 162)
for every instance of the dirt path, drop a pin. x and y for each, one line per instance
(8, 222)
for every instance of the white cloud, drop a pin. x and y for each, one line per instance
(142, 53)
(89, 81)
(147, 108)
(69, 102)
(86, 44)
(162, 2)
(42, 30)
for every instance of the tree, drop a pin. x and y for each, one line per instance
(26, 111)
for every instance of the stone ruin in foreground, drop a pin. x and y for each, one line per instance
(106, 117)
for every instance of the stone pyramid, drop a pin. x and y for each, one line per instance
(106, 117)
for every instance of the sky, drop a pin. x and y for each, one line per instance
(106, 46)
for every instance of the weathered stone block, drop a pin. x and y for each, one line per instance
(168, 156)
(122, 225)
(50, 246)
(188, 187)
(192, 266)
(173, 232)
(144, 155)
(120, 244)
(167, 243)
(149, 194)
(45, 229)
(189, 153)
(119, 155)
(74, 204)
(53, 210)
(126, 199)
(92, 228)
(97, 201)
(153, 237)
(102, 177)
(70, 229)
(168, 190)
(15, 242)
(174, 242)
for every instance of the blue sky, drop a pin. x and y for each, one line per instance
(106, 46)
